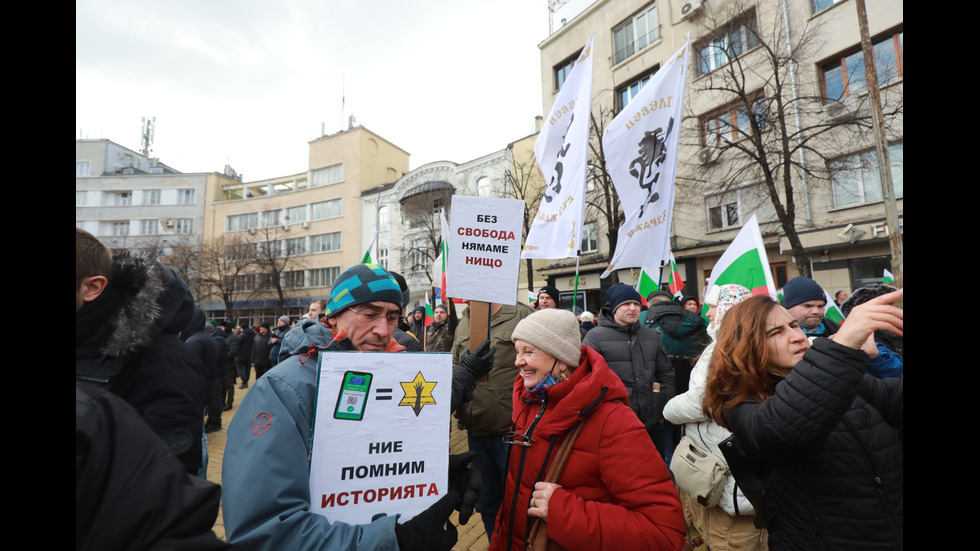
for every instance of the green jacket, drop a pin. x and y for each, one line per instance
(489, 413)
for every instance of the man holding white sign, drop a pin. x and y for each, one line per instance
(266, 468)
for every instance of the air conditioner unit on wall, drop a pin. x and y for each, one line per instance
(688, 9)
(708, 155)
(305, 224)
(169, 223)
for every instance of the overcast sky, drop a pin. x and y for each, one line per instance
(250, 82)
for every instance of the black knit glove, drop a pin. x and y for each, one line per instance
(479, 362)
(431, 529)
(465, 480)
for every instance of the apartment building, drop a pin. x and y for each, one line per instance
(761, 68)
(278, 244)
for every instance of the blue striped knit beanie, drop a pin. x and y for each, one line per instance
(362, 283)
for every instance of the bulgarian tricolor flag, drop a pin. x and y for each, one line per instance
(646, 284)
(429, 311)
(439, 266)
(745, 263)
(888, 278)
(830, 310)
(368, 258)
(675, 283)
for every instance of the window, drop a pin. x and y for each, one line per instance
(735, 39)
(590, 237)
(80, 198)
(119, 228)
(269, 218)
(383, 256)
(628, 91)
(779, 274)
(484, 185)
(271, 249)
(184, 225)
(723, 211)
(383, 218)
(820, 5)
(245, 282)
(562, 71)
(293, 280)
(636, 33)
(149, 227)
(151, 196)
(239, 222)
(325, 243)
(329, 175)
(295, 215)
(296, 246)
(845, 76)
(118, 198)
(83, 168)
(417, 257)
(326, 209)
(185, 196)
(855, 179)
(732, 123)
(323, 277)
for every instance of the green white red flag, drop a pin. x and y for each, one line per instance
(674, 283)
(745, 263)
(429, 311)
(888, 279)
(368, 258)
(645, 284)
(830, 309)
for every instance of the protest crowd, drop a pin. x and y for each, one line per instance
(572, 430)
(745, 419)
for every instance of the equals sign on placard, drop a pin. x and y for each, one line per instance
(382, 394)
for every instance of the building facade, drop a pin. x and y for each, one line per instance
(133, 202)
(776, 105)
(278, 244)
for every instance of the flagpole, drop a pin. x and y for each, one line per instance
(575, 292)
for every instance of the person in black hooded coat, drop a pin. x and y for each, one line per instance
(126, 341)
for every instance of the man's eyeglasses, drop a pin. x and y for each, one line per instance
(372, 317)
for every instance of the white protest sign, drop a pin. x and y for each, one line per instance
(485, 249)
(380, 437)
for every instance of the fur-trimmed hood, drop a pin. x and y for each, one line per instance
(143, 299)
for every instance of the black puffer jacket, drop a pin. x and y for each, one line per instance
(635, 354)
(126, 340)
(831, 437)
(130, 491)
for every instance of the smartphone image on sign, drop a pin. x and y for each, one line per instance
(353, 396)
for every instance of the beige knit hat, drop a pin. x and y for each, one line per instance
(554, 331)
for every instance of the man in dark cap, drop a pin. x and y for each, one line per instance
(806, 301)
(548, 297)
(634, 352)
(265, 476)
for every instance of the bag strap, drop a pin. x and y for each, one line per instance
(554, 471)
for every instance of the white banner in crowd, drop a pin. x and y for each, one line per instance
(374, 447)
(641, 156)
(484, 249)
(561, 150)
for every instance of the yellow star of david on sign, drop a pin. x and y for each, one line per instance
(418, 393)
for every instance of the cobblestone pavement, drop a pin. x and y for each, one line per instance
(472, 537)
